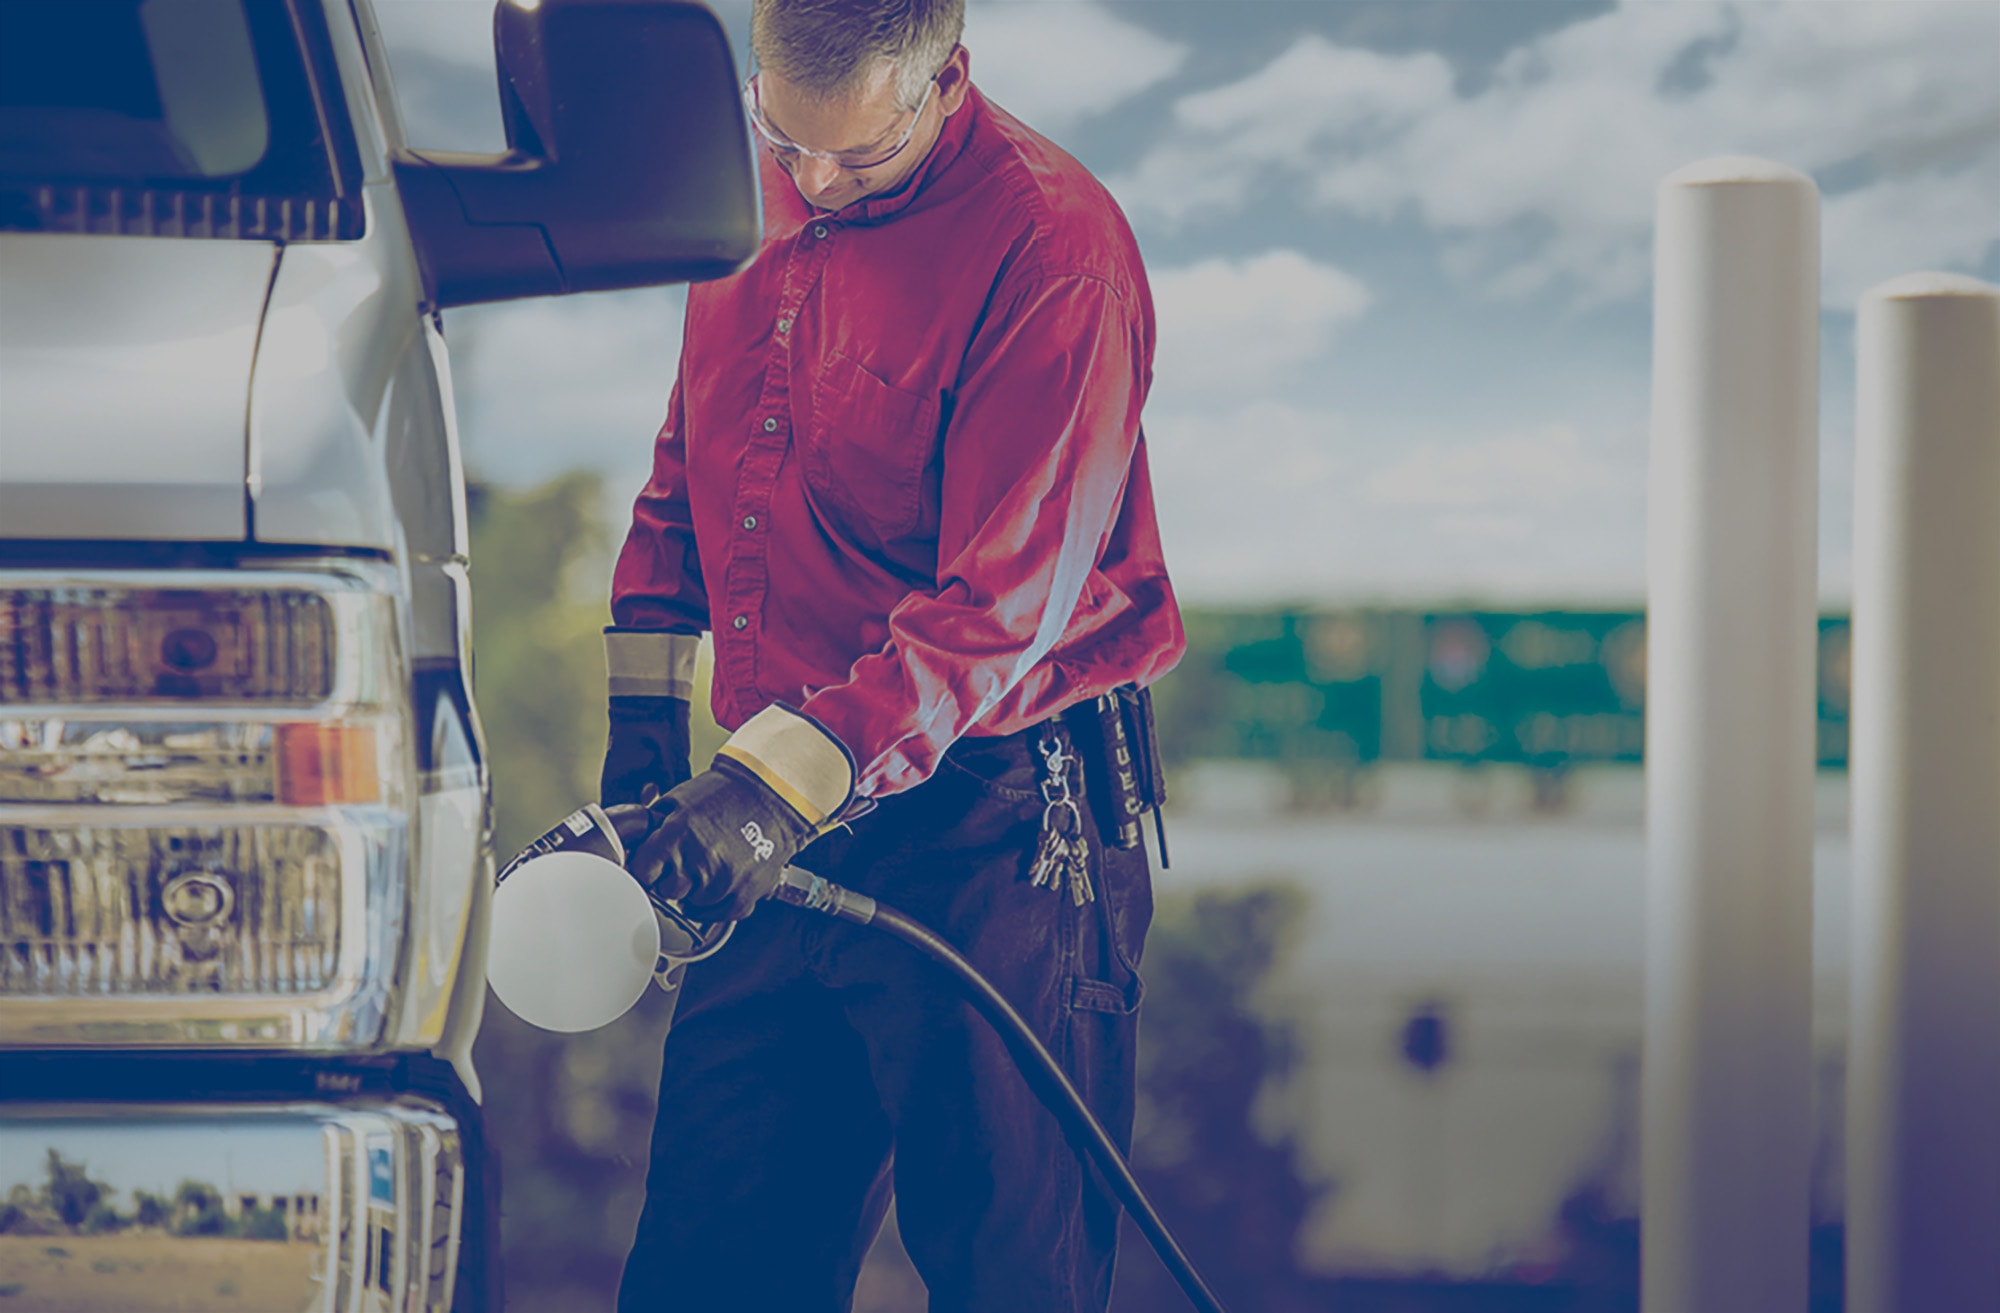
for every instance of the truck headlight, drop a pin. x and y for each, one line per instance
(72, 641)
(205, 802)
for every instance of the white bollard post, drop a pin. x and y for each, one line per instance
(1730, 740)
(1923, 1064)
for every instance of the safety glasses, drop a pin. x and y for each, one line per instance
(788, 150)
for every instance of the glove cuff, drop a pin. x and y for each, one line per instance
(798, 759)
(650, 663)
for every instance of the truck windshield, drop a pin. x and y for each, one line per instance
(164, 117)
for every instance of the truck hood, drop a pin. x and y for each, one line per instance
(125, 368)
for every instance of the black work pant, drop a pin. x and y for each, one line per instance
(814, 1063)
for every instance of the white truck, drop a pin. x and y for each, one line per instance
(244, 848)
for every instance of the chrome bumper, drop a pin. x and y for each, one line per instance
(353, 1207)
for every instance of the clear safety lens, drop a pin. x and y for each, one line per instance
(96, 644)
(184, 910)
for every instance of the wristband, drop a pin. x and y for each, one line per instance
(650, 663)
(798, 759)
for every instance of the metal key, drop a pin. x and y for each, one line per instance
(1080, 891)
(1062, 858)
(1052, 853)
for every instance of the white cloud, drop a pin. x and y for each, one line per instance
(1236, 325)
(1544, 468)
(555, 384)
(1269, 500)
(1241, 495)
(1547, 173)
(1055, 63)
(1879, 232)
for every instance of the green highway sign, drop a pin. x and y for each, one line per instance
(1539, 688)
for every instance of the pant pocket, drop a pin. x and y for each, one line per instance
(1002, 769)
(1086, 995)
(1108, 978)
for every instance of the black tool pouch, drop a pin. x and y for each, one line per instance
(1138, 704)
(1121, 760)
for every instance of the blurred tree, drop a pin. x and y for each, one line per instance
(1235, 1196)
(102, 1218)
(198, 1210)
(149, 1209)
(71, 1193)
(27, 1212)
(538, 661)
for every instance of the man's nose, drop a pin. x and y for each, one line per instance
(816, 177)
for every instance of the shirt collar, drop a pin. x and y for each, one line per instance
(793, 212)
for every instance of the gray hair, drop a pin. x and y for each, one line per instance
(829, 47)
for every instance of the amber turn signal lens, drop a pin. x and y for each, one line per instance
(327, 765)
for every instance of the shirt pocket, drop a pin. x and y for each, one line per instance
(868, 447)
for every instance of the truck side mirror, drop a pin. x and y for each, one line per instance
(628, 160)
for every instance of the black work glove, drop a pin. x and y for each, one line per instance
(720, 843)
(723, 838)
(646, 753)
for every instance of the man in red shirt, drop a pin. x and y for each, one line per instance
(902, 482)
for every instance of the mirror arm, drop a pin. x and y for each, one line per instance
(465, 262)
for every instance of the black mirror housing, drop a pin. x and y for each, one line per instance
(628, 160)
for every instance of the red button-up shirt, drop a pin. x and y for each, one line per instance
(902, 477)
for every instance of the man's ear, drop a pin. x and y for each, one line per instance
(954, 80)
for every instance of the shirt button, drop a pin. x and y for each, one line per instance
(749, 521)
(784, 325)
(741, 621)
(770, 426)
(819, 230)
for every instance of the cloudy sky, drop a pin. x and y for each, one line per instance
(1400, 251)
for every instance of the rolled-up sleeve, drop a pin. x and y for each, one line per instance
(1044, 422)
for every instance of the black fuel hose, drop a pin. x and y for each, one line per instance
(1044, 1075)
